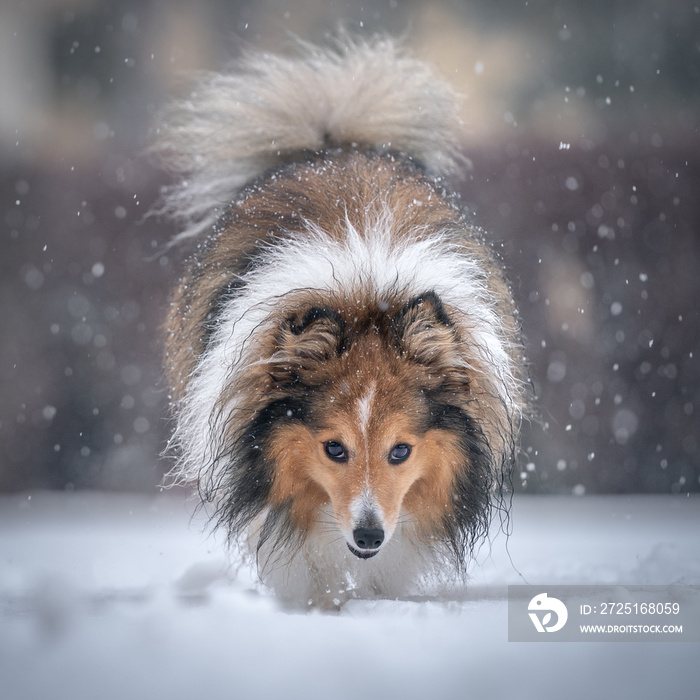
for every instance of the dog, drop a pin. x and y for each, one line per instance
(343, 351)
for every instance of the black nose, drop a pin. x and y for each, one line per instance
(368, 537)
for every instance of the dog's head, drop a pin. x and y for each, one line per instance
(371, 421)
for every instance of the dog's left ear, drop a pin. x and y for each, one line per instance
(425, 333)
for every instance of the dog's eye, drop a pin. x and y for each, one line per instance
(399, 453)
(336, 451)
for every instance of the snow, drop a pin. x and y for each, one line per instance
(126, 596)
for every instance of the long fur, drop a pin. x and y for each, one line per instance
(336, 287)
(269, 108)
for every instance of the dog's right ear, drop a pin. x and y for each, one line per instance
(316, 336)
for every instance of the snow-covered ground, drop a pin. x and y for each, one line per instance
(121, 596)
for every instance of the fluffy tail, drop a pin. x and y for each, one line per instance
(235, 126)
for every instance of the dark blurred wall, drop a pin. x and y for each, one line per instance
(583, 135)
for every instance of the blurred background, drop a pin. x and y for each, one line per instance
(585, 168)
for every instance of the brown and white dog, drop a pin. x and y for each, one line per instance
(343, 350)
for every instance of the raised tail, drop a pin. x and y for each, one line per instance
(234, 126)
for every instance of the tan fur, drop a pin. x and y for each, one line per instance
(420, 487)
(295, 450)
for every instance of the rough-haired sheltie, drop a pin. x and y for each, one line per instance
(343, 351)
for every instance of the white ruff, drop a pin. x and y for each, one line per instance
(379, 262)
